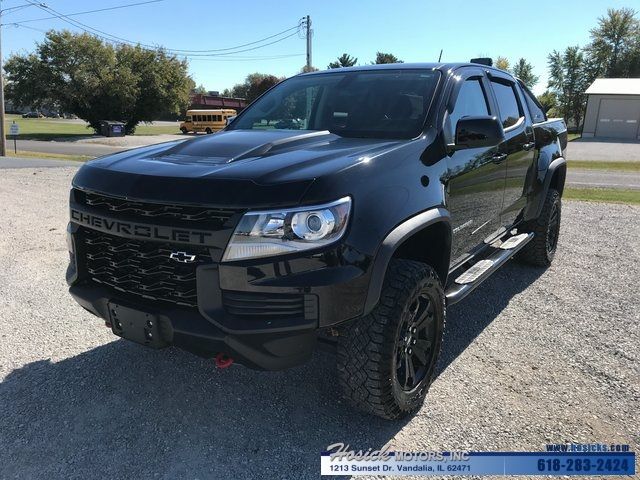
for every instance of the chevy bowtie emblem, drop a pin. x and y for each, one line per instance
(182, 257)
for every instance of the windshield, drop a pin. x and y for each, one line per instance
(378, 104)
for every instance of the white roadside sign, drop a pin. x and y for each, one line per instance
(14, 129)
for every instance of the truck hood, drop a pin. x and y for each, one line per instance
(243, 168)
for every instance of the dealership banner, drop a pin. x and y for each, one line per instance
(571, 459)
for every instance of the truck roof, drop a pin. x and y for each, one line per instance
(406, 66)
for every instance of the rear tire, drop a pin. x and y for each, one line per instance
(541, 250)
(386, 360)
(208, 131)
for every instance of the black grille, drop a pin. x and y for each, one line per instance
(186, 213)
(263, 304)
(143, 268)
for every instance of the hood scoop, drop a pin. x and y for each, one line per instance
(283, 143)
(182, 159)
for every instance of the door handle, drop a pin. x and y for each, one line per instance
(498, 157)
(529, 146)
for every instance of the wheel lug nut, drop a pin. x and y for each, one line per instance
(409, 351)
(413, 342)
(414, 330)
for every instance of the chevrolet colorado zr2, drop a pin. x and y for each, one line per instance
(344, 208)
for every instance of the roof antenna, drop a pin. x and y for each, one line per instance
(440, 57)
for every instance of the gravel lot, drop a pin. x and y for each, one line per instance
(531, 357)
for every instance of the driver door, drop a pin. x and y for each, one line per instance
(475, 186)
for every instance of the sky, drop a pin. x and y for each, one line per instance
(414, 31)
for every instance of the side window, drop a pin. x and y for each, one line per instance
(510, 110)
(537, 114)
(471, 101)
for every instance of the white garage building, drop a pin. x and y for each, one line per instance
(613, 108)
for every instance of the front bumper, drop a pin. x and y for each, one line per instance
(332, 285)
(188, 330)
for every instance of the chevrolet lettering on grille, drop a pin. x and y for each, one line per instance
(141, 230)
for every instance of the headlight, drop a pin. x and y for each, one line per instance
(275, 232)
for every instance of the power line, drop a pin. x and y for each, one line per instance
(24, 26)
(8, 10)
(224, 59)
(244, 59)
(191, 55)
(186, 53)
(90, 11)
(297, 27)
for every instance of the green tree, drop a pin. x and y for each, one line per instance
(254, 85)
(201, 89)
(98, 81)
(307, 69)
(615, 44)
(345, 60)
(386, 58)
(502, 63)
(524, 71)
(549, 101)
(569, 77)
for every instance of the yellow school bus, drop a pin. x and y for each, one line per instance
(207, 121)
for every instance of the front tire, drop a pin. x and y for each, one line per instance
(386, 360)
(546, 228)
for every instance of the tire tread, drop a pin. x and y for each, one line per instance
(366, 345)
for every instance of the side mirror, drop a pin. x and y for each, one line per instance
(231, 119)
(475, 132)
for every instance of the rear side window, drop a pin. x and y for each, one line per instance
(471, 101)
(537, 114)
(510, 111)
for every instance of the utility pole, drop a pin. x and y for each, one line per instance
(3, 140)
(309, 32)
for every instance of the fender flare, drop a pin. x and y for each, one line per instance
(538, 199)
(390, 244)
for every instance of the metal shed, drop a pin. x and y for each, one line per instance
(613, 109)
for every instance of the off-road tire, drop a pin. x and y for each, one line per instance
(367, 357)
(542, 248)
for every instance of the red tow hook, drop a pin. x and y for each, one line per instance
(223, 360)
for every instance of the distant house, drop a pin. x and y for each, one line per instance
(613, 108)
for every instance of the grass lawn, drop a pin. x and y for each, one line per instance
(607, 195)
(572, 136)
(53, 156)
(611, 166)
(61, 128)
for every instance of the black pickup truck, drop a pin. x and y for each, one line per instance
(345, 208)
